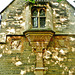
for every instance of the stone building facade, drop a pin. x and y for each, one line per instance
(32, 43)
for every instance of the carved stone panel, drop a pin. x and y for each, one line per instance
(15, 43)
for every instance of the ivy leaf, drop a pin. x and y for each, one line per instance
(59, 0)
(32, 1)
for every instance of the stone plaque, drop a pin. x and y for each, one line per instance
(15, 43)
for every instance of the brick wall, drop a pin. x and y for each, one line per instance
(60, 59)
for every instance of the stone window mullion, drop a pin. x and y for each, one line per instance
(38, 18)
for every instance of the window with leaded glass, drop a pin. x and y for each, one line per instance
(38, 17)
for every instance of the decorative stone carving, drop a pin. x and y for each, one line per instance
(39, 41)
(15, 43)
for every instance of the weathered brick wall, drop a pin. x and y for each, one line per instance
(16, 18)
(16, 63)
(63, 17)
(60, 58)
(13, 19)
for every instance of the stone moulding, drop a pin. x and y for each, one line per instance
(39, 38)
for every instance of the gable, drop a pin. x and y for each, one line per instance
(72, 2)
(4, 4)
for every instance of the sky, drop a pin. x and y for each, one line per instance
(5, 3)
(72, 2)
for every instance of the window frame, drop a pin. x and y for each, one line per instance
(38, 16)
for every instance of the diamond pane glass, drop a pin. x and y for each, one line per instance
(35, 22)
(42, 22)
(42, 12)
(35, 13)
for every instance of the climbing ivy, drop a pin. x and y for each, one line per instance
(59, 0)
(32, 1)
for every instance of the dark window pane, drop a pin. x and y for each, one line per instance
(35, 22)
(35, 13)
(0, 21)
(42, 12)
(42, 22)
